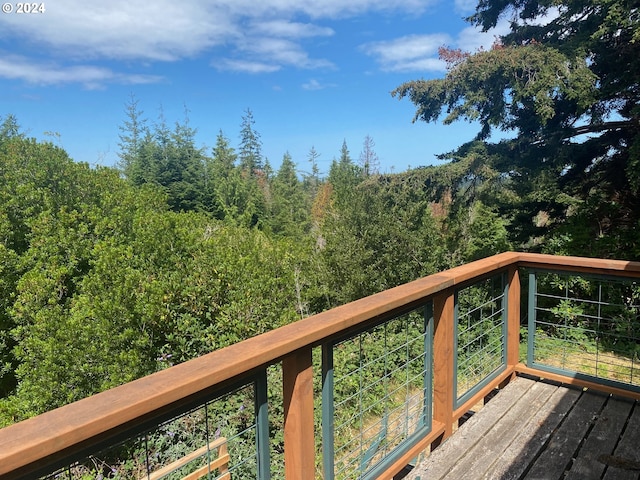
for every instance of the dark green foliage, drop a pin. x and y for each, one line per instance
(567, 89)
(100, 279)
(9, 128)
(168, 159)
(344, 175)
(383, 236)
(290, 210)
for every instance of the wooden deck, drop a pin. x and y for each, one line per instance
(540, 430)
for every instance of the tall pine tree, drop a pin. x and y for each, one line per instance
(250, 150)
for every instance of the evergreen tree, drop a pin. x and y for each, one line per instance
(344, 175)
(384, 236)
(312, 183)
(162, 157)
(250, 151)
(290, 210)
(9, 128)
(311, 180)
(187, 161)
(132, 135)
(219, 174)
(238, 196)
(369, 162)
(567, 88)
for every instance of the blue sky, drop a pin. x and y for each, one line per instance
(314, 73)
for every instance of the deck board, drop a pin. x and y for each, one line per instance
(625, 462)
(601, 441)
(539, 430)
(558, 455)
(533, 436)
(456, 446)
(480, 457)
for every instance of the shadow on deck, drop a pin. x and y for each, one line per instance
(541, 430)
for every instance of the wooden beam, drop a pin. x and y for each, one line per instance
(299, 443)
(513, 317)
(222, 461)
(443, 372)
(578, 382)
(593, 266)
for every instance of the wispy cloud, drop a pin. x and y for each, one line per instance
(285, 29)
(333, 9)
(408, 53)
(91, 77)
(244, 66)
(123, 30)
(419, 53)
(276, 51)
(240, 35)
(314, 84)
(465, 7)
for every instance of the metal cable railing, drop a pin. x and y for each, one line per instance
(217, 440)
(481, 329)
(585, 326)
(377, 394)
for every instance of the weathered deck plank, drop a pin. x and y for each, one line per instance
(625, 462)
(556, 458)
(537, 430)
(601, 441)
(456, 446)
(480, 458)
(532, 437)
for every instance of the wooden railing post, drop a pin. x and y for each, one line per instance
(443, 360)
(299, 445)
(513, 317)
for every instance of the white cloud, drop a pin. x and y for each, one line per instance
(465, 7)
(472, 39)
(327, 8)
(241, 35)
(280, 51)
(91, 77)
(419, 53)
(167, 30)
(121, 29)
(286, 29)
(314, 84)
(409, 53)
(245, 66)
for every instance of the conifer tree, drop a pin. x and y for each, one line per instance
(250, 150)
(564, 82)
(344, 175)
(133, 133)
(369, 162)
(290, 210)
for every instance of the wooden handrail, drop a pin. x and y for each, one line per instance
(38, 441)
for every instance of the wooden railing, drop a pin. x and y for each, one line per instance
(35, 446)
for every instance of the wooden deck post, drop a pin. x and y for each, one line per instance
(513, 317)
(299, 444)
(443, 360)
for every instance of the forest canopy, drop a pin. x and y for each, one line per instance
(106, 277)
